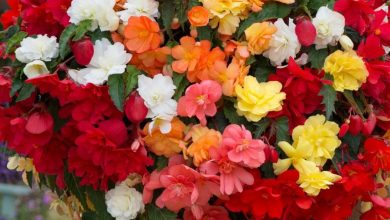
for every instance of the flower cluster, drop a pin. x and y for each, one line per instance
(201, 109)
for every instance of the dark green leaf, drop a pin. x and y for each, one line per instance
(98, 200)
(231, 114)
(353, 143)
(181, 84)
(155, 213)
(353, 34)
(261, 127)
(262, 69)
(351, 99)
(16, 85)
(117, 90)
(82, 29)
(131, 79)
(29, 176)
(271, 10)
(282, 133)
(161, 162)
(167, 9)
(181, 11)
(98, 35)
(317, 57)
(316, 4)
(14, 41)
(193, 3)
(329, 99)
(65, 37)
(73, 186)
(205, 33)
(25, 92)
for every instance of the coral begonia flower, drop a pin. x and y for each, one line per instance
(187, 55)
(142, 34)
(199, 100)
(198, 16)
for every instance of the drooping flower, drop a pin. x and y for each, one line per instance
(242, 149)
(312, 180)
(124, 203)
(187, 55)
(255, 100)
(101, 12)
(198, 16)
(107, 59)
(259, 36)
(203, 139)
(40, 48)
(142, 34)
(284, 43)
(199, 100)
(35, 69)
(329, 25)
(348, 70)
(137, 8)
(377, 153)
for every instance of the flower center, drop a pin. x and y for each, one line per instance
(226, 167)
(143, 34)
(377, 31)
(200, 99)
(243, 146)
(323, 30)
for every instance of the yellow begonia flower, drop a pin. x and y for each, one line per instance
(312, 180)
(348, 70)
(259, 36)
(255, 100)
(295, 156)
(23, 164)
(318, 138)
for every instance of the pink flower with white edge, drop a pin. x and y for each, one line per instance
(199, 100)
(242, 148)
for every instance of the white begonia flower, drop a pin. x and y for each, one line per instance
(124, 203)
(329, 26)
(157, 93)
(148, 8)
(108, 59)
(101, 12)
(40, 48)
(284, 43)
(35, 68)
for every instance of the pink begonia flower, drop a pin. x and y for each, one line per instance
(199, 100)
(232, 175)
(206, 212)
(242, 148)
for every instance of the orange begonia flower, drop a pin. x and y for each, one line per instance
(152, 61)
(203, 139)
(166, 144)
(187, 55)
(259, 36)
(198, 16)
(142, 34)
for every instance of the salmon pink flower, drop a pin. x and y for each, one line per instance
(187, 55)
(200, 99)
(242, 148)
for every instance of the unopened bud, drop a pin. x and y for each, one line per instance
(346, 43)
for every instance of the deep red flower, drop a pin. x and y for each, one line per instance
(58, 8)
(377, 153)
(376, 213)
(357, 178)
(301, 87)
(10, 16)
(5, 88)
(357, 13)
(380, 29)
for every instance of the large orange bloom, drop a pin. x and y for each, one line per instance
(203, 139)
(152, 61)
(142, 34)
(187, 55)
(198, 16)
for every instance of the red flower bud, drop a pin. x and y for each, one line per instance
(271, 154)
(39, 123)
(355, 125)
(343, 130)
(305, 31)
(135, 108)
(83, 51)
(369, 124)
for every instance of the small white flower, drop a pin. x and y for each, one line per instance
(107, 59)
(148, 8)
(101, 12)
(124, 203)
(40, 48)
(346, 43)
(157, 93)
(35, 68)
(329, 25)
(284, 43)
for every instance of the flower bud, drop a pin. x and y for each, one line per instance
(343, 130)
(306, 32)
(35, 68)
(355, 124)
(346, 43)
(135, 108)
(83, 51)
(369, 124)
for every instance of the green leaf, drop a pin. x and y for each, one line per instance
(14, 41)
(353, 34)
(316, 4)
(353, 143)
(231, 114)
(329, 99)
(155, 213)
(161, 163)
(261, 127)
(117, 90)
(25, 92)
(205, 33)
(271, 10)
(82, 29)
(351, 99)
(181, 84)
(16, 85)
(317, 57)
(262, 69)
(98, 35)
(167, 9)
(98, 200)
(29, 176)
(65, 37)
(131, 79)
(282, 133)
(73, 186)
(181, 11)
